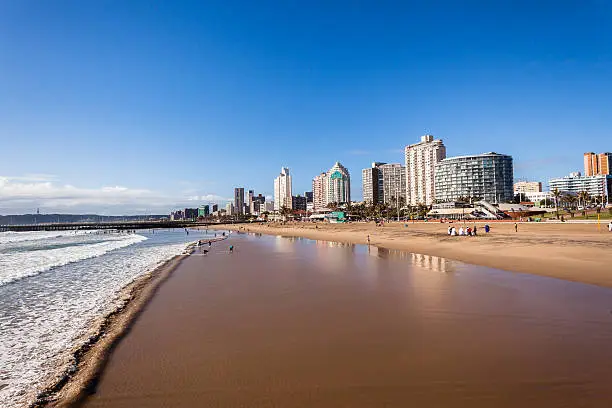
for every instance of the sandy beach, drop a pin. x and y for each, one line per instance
(69, 388)
(574, 252)
(284, 322)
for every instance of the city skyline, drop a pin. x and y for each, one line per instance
(195, 202)
(133, 108)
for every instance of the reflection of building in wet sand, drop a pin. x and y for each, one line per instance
(434, 263)
(283, 244)
(332, 244)
(337, 255)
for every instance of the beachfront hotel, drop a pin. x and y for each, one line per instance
(487, 176)
(597, 164)
(384, 183)
(319, 191)
(282, 190)
(338, 184)
(333, 186)
(421, 159)
(595, 186)
(393, 182)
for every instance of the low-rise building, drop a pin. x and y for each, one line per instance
(536, 197)
(527, 187)
(595, 186)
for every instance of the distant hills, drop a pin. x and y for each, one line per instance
(64, 218)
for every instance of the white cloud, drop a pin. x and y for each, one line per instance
(27, 193)
(208, 197)
(34, 177)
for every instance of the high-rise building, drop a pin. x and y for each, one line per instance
(393, 178)
(595, 186)
(487, 176)
(421, 160)
(527, 187)
(229, 209)
(597, 164)
(338, 184)
(250, 201)
(282, 190)
(190, 213)
(203, 211)
(299, 203)
(215, 207)
(257, 204)
(372, 184)
(319, 191)
(239, 200)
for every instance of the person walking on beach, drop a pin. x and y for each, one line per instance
(231, 249)
(610, 226)
(515, 227)
(368, 239)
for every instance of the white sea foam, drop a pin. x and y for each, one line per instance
(44, 317)
(20, 264)
(10, 236)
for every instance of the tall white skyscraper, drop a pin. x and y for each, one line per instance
(338, 184)
(319, 191)
(282, 190)
(421, 159)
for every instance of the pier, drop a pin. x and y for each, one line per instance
(111, 225)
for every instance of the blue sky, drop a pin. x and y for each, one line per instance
(141, 106)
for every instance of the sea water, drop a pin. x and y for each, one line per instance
(55, 287)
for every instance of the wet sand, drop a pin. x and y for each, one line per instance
(284, 322)
(574, 252)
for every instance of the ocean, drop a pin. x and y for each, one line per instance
(54, 289)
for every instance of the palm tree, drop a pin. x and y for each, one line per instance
(556, 195)
(285, 211)
(584, 197)
(571, 201)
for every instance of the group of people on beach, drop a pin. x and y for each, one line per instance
(467, 231)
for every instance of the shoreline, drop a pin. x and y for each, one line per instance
(572, 252)
(80, 379)
(72, 386)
